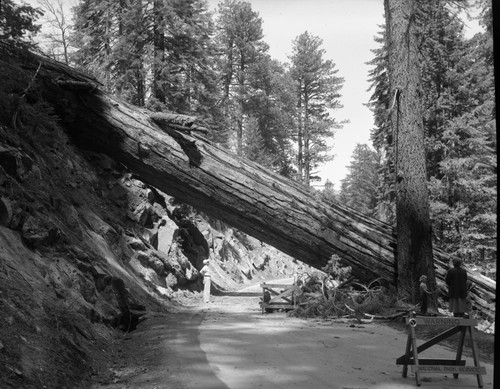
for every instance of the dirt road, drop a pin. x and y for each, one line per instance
(230, 344)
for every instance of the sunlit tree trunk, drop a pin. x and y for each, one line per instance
(300, 139)
(414, 246)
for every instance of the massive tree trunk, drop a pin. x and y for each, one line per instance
(414, 243)
(168, 153)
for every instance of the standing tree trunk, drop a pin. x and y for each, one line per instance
(307, 137)
(158, 52)
(414, 245)
(300, 138)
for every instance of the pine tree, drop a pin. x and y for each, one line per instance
(381, 135)
(94, 38)
(17, 23)
(459, 127)
(240, 41)
(318, 93)
(271, 103)
(359, 188)
(184, 78)
(463, 190)
(162, 46)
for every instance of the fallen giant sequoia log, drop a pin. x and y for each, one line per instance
(169, 153)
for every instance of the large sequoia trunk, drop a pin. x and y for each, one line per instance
(412, 201)
(168, 153)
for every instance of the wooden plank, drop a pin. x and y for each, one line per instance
(277, 306)
(430, 343)
(268, 286)
(433, 361)
(475, 355)
(460, 347)
(406, 356)
(441, 321)
(448, 369)
(415, 353)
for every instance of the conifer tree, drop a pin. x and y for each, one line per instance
(17, 22)
(381, 135)
(359, 188)
(271, 102)
(318, 93)
(241, 45)
(184, 78)
(459, 127)
(464, 188)
(94, 38)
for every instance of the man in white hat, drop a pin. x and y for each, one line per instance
(206, 281)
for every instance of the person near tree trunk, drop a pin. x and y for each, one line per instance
(424, 292)
(456, 279)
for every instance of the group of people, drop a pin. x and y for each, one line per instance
(459, 287)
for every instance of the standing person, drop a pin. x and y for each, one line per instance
(456, 279)
(424, 292)
(206, 281)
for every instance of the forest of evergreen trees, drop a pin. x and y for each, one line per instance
(175, 55)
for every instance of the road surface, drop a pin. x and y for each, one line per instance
(229, 343)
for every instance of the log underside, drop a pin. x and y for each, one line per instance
(182, 163)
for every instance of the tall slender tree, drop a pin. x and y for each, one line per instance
(318, 93)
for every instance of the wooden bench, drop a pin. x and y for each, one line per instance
(280, 296)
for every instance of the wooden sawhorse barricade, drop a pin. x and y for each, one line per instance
(455, 366)
(286, 298)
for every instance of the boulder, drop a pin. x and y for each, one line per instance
(14, 162)
(171, 281)
(38, 232)
(142, 215)
(167, 232)
(5, 211)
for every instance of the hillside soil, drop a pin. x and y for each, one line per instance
(229, 343)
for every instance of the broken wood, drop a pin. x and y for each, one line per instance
(240, 192)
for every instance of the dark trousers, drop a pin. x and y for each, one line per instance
(423, 303)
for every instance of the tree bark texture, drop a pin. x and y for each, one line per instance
(414, 241)
(168, 153)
